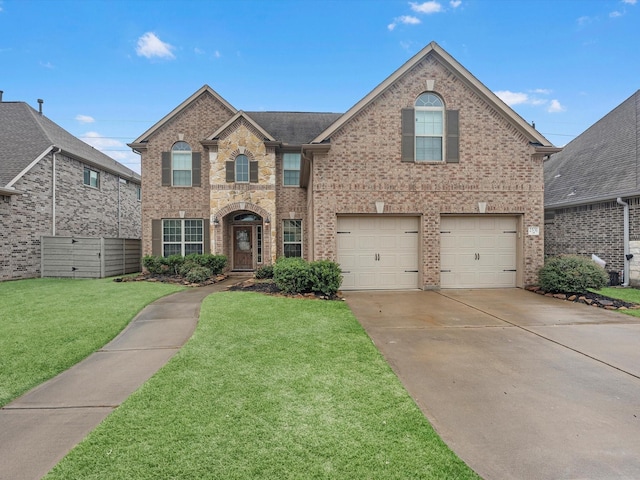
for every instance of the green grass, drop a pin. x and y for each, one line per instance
(48, 325)
(631, 295)
(268, 388)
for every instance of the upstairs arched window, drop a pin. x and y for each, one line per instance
(429, 111)
(242, 169)
(181, 164)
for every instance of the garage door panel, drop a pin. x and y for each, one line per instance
(383, 248)
(476, 251)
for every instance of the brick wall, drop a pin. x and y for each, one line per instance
(363, 165)
(80, 210)
(593, 229)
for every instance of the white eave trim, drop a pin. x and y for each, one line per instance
(229, 122)
(30, 166)
(10, 191)
(175, 111)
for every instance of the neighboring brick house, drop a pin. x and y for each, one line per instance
(592, 193)
(430, 181)
(53, 184)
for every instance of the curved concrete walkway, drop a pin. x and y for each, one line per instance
(38, 429)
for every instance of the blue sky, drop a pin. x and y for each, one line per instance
(108, 70)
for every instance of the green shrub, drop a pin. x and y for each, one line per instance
(571, 274)
(326, 277)
(265, 271)
(198, 274)
(215, 263)
(154, 264)
(174, 262)
(187, 265)
(292, 275)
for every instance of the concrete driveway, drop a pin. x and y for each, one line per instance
(519, 385)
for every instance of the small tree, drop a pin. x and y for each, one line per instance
(571, 274)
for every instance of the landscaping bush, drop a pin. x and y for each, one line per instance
(215, 263)
(326, 277)
(174, 262)
(571, 274)
(266, 271)
(292, 275)
(154, 264)
(198, 274)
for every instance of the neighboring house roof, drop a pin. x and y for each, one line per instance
(294, 128)
(472, 82)
(26, 136)
(600, 164)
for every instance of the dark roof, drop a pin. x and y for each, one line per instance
(25, 135)
(294, 128)
(600, 164)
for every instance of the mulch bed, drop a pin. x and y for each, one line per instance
(175, 279)
(269, 287)
(589, 298)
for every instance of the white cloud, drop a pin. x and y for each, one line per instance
(542, 91)
(426, 7)
(113, 148)
(149, 45)
(615, 14)
(85, 119)
(405, 20)
(555, 107)
(217, 54)
(582, 21)
(512, 98)
(628, 2)
(455, 3)
(198, 51)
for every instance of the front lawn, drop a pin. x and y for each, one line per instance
(631, 295)
(270, 388)
(48, 325)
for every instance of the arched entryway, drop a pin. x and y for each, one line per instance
(247, 240)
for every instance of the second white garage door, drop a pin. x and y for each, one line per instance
(478, 252)
(378, 253)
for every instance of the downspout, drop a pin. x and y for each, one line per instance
(53, 191)
(627, 256)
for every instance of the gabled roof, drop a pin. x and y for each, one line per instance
(204, 89)
(294, 128)
(600, 164)
(26, 137)
(240, 114)
(434, 49)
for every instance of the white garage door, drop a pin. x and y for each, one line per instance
(478, 252)
(378, 253)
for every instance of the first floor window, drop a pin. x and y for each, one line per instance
(182, 237)
(292, 236)
(91, 178)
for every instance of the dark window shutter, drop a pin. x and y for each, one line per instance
(453, 139)
(253, 172)
(156, 237)
(231, 171)
(195, 169)
(408, 135)
(206, 229)
(166, 169)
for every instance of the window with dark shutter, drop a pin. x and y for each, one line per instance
(166, 169)
(452, 144)
(408, 135)
(156, 237)
(230, 168)
(253, 172)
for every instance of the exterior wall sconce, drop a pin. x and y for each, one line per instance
(482, 207)
(216, 221)
(379, 207)
(267, 220)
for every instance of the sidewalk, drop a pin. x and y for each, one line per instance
(38, 429)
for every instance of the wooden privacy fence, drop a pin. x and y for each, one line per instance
(89, 257)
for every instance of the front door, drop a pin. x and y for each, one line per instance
(242, 251)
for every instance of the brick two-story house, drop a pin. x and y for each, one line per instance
(430, 181)
(53, 184)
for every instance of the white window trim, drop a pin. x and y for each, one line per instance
(235, 169)
(284, 242)
(91, 170)
(299, 170)
(176, 170)
(182, 234)
(442, 136)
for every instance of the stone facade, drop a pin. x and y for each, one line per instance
(113, 210)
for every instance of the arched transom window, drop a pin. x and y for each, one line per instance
(181, 164)
(429, 131)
